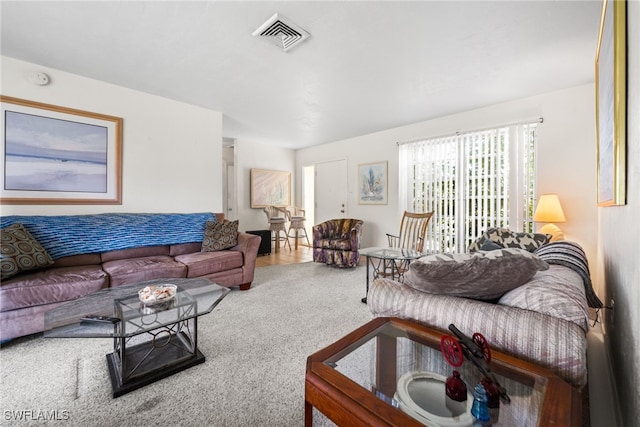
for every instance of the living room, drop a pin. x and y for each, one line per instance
(155, 179)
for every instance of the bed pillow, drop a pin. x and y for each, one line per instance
(481, 275)
(220, 235)
(20, 251)
(510, 239)
(557, 292)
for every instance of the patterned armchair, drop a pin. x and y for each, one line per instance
(337, 241)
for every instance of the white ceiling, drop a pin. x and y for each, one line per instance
(367, 66)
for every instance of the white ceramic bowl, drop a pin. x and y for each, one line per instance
(422, 395)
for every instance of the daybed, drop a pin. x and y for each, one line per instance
(544, 321)
(80, 254)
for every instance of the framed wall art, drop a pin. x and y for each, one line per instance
(57, 155)
(372, 183)
(270, 188)
(610, 78)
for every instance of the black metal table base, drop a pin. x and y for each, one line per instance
(396, 268)
(119, 387)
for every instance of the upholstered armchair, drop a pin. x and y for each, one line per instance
(337, 241)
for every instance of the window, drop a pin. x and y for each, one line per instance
(471, 181)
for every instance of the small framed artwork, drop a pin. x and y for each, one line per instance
(270, 188)
(372, 183)
(611, 101)
(57, 155)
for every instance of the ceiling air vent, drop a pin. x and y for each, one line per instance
(280, 31)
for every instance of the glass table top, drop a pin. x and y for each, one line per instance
(194, 297)
(391, 253)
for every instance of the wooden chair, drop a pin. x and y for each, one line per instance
(277, 219)
(297, 218)
(413, 228)
(412, 231)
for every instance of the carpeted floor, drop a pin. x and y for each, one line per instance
(255, 342)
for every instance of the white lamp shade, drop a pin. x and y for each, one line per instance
(549, 209)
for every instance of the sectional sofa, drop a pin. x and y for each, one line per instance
(91, 252)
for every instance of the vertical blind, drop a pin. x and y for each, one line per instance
(471, 181)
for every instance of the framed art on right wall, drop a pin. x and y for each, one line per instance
(610, 78)
(372, 183)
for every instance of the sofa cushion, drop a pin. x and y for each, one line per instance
(76, 260)
(203, 263)
(510, 239)
(185, 248)
(220, 235)
(133, 270)
(20, 251)
(481, 275)
(140, 252)
(341, 244)
(50, 286)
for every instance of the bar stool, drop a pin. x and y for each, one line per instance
(277, 217)
(296, 218)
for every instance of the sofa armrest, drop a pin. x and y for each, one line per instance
(319, 231)
(248, 244)
(556, 344)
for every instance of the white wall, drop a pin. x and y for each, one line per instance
(566, 159)
(252, 155)
(619, 251)
(172, 152)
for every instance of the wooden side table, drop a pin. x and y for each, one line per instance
(353, 381)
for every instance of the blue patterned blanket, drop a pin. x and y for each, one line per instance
(65, 235)
(571, 255)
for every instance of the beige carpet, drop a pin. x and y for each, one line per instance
(255, 342)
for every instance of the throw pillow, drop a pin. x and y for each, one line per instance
(481, 275)
(220, 235)
(510, 239)
(20, 251)
(488, 245)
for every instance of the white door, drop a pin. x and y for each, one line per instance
(330, 190)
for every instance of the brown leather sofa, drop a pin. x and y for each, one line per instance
(26, 297)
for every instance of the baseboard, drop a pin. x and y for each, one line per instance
(603, 399)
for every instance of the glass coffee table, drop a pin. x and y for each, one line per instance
(388, 262)
(149, 342)
(391, 372)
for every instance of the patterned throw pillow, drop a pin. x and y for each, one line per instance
(20, 251)
(510, 239)
(481, 275)
(220, 235)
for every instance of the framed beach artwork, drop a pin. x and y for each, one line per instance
(610, 78)
(270, 188)
(58, 155)
(372, 183)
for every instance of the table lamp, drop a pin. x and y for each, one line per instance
(550, 211)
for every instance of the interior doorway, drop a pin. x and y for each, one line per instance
(308, 198)
(230, 211)
(230, 200)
